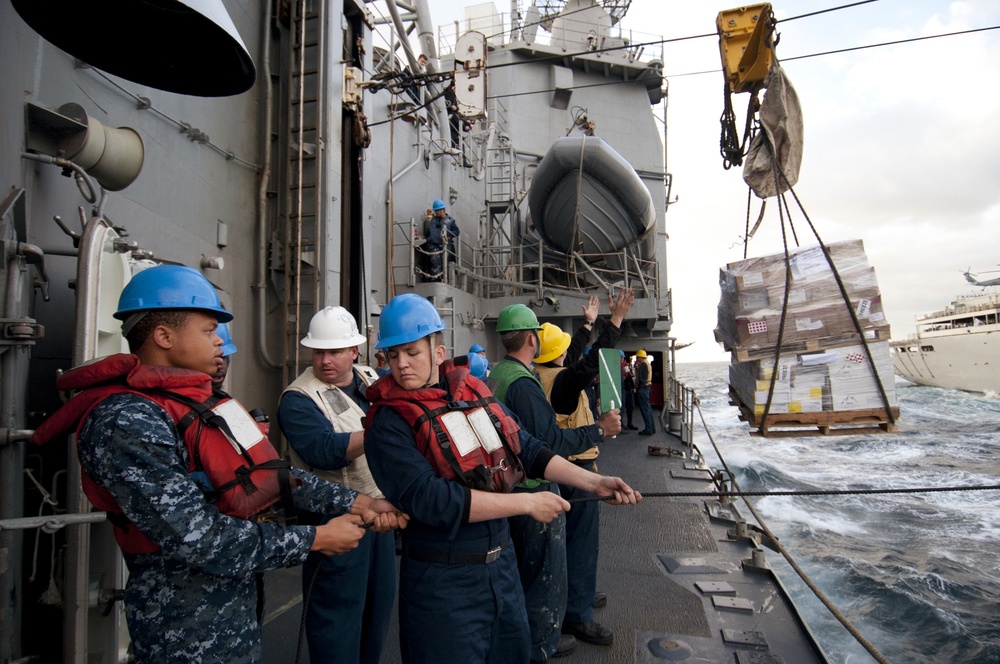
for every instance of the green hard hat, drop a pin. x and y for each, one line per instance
(517, 317)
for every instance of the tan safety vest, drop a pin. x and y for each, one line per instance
(649, 373)
(345, 416)
(580, 417)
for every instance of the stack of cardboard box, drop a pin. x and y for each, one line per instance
(822, 366)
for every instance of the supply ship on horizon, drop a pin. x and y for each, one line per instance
(957, 347)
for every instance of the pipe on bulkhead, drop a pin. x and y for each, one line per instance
(390, 212)
(424, 18)
(265, 177)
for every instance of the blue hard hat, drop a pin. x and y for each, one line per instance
(170, 287)
(478, 365)
(438, 204)
(228, 347)
(476, 348)
(406, 318)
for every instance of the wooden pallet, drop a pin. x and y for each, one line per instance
(743, 354)
(824, 423)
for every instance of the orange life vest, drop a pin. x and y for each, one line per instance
(240, 480)
(489, 464)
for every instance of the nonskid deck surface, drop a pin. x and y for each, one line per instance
(677, 583)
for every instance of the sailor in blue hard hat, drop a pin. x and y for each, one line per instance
(183, 492)
(478, 350)
(432, 446)
(478, 365)
(440, 235)
(228, 350)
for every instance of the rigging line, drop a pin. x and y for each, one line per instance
(716, 71)
(824, 11)
(893, 43)
(843, 292)
(657, 42)
(817, 492)
(609, 49)
(850, 48)
(145, 104)
(762, 427)
(411, 111)
(670, 40)
(820, 595)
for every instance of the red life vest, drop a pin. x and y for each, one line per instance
(240, 483)
(429, 412)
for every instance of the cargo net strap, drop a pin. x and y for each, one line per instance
(781, 185)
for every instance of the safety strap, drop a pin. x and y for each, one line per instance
(203, 411)
(479, 477)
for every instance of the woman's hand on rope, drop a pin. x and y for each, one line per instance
(545, 506)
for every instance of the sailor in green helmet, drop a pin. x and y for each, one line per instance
(559, 573)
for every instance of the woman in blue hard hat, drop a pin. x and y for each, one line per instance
(445, 451)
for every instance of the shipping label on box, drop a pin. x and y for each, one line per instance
(752, 301)
(750, 280)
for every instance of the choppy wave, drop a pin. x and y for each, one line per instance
(917, 573)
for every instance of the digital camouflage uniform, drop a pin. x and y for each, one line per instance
(195, 599)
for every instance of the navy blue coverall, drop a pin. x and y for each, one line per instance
(450, 612)
(541, 564)
(350, 596)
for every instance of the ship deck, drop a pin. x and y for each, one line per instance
(680, 584)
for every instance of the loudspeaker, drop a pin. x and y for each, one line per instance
(112, 156)
(190, 47)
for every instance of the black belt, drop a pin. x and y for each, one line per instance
(455, 557)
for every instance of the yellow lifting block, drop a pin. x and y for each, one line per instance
(745, 45)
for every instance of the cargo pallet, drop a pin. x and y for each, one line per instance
(746, 354)
(822, 423)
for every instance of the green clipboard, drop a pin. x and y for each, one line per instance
(611, 379)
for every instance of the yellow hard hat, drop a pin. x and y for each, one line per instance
(554, 343)
(640, 353)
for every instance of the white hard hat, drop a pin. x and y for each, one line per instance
(333, 327)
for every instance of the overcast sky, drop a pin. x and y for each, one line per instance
(902, 148)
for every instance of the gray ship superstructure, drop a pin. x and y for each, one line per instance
(957, 347)
(288, 150)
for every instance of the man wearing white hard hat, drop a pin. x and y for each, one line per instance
(348, 598)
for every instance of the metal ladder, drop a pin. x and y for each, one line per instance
(501, 209)
(301, 223)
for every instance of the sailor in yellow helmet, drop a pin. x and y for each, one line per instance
(643, 380)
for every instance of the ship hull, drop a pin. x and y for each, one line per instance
(966, 359)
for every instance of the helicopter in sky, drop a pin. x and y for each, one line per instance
(969, 276)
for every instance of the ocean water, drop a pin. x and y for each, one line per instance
(918, 574)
